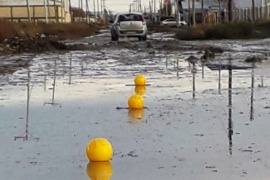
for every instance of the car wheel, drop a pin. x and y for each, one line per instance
(139, 38)
(144, 38)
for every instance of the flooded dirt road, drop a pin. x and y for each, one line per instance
(53, 108)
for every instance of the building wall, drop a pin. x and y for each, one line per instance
(18, 12)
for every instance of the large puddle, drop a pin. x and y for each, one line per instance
(51, 110)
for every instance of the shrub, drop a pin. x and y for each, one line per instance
(62, 30)
(191, 33)
(239, 30)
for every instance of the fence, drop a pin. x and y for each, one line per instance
(37, 12)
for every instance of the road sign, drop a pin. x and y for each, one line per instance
(166, 2)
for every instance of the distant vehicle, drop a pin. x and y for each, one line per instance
(172, 23)
(131, 24)
(166, 17)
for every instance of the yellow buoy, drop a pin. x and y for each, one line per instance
(136, 102)
(99, 149)
(140, 80)
(99, 170)
(141, 90)
(135, 115)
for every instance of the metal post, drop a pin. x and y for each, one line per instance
(54, 81)
(230, 124)
(202, 70)
(70, 67)
(193, 80)
(262, 81)
(177, 66)
(27, 106)
(252, 94)
(219, 78)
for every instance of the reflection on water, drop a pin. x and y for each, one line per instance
(86, 97)
(252, 95)
(54, 84)
(25, 135)
(99, 170)
(136, 115)
(141, 90)
(230, 123)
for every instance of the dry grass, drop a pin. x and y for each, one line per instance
(191, 33)
(63, 31)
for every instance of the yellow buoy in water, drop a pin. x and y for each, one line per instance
(141, 90)
(135, 115)
(99, 170)
(136, 102)
(99, 149)
(140, 80)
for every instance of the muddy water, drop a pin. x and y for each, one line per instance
(51, 110)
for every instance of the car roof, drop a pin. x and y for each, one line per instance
(121, 13)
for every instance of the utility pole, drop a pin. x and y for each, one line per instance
(55, 11)
(101, 5)
(177, 13)
(86, 11)
(166, 5)
(253, 10)
(230, 10)
(94, 6)
(266, 9)
(189, 13)
(193, 13)
(28, 10)
(48, 8)
(98, 8)
(62, 11)
(202, 11)
(46, 11)
(219, 11)
(155, 7)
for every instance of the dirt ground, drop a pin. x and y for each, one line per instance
(36, 38)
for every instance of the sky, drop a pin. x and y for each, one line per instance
(113, 5)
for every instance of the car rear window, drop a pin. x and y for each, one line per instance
(130, 17)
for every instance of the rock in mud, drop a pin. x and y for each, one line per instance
(208, 55)
(253, 59)
(192, 59)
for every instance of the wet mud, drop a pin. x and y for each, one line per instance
(200, 122)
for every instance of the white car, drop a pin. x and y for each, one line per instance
(131, 24)
(172, 22)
